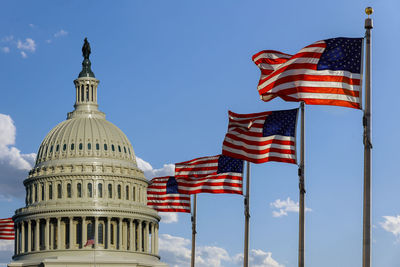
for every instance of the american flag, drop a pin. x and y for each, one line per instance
(327, 72)
(262, 137)
(89, 242)
(7, 229)
(163, 195)
(216, 174)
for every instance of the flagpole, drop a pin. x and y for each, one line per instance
(302, 191)
(192, 263)
(247, 218)
(366, 262)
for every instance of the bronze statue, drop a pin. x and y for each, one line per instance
(86, 49)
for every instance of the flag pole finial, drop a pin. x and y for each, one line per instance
(369, 10)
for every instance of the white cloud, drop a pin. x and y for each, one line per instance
(14, 165)
(5, 49)
(285, 206)
(60, 33)
(149, 172)
(169, 217)
(392, 225)
(176, 251)
(6, 245)
(23, 54)
(28, 45)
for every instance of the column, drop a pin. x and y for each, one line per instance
(71, 234)
(130, 234)
(133, 235)
(84, 231)
(156, 240)
(120, 234)
(46, 234)
(108, 232)
(22, 236)
(58, 233)
(37, 236)
(146, 237)
(29, 236)
(17, 239)
(140, 236)
(152, 237)
(96, 233)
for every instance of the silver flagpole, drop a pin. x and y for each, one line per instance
(247, 218)
(302, 191)
(192, 263)
(367, 146)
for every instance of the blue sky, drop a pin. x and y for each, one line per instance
(169, 71)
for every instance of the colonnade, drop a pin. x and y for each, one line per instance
(86, 232)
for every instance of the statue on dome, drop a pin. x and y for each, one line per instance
(86, 49)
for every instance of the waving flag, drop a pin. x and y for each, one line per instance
(262, 137)
(216, 174)
(327, 72)
(163, 195)
(7, 229)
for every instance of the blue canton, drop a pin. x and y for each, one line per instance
(228, 164)
(341, 54)
(282, 122)
(172, 186)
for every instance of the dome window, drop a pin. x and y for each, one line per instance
(105, 147)
(89, 190)
(109, 190)
(97, 146)
(100, 234)
(64, 147)
(59, 191)
(127, 192)
(119, 148)
(125, 150)
(72, 146)
(119, 191)
(112, 148)
(51, 149)
(80, 146)
(36, 193)
(57, 148)
(69, 193)
(79, 189)
(89, 146)
(42, 189)
(100, 190)
(129, 150)
(50, 191)
(134, 194)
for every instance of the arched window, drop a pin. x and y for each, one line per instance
(64, 147)
(112, 147)
(80, 146)
(50, 191)
(119, 148)
(97, 146)
(79, 189)
(42, 189)
(89, 146)
(125, 150)
(100, 190)
(36, 193)
(112, 234)
(82, 92)
(51, 149)
(109, 190)
(127, 192)
(90, 231)
(134, 193)
(69, 193)
(57, 148)
(89, 190)
(100, 233)
(72, 146)
(119, 191)
(129, 150)
(105, 147)
(59, 191)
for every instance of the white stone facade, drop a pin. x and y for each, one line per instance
(86, 188)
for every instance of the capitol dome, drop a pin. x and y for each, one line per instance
(86, 201)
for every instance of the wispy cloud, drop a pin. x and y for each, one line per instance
(60, 33)
(392, 225)
(285, 206)
(169, 217)
(176, 252)
(150, 172)
(7, 39)
(31, 25)
(28, 45)
(23, 54)
(5, 49)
